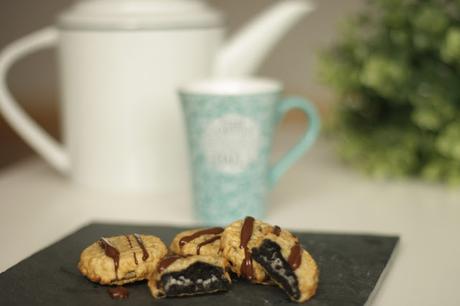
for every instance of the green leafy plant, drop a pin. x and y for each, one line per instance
(396, 70)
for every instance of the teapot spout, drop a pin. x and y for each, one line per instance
(246, 50)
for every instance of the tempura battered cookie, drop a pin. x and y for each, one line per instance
(190, 275)
(237, 242)
(121, 259)
(198, 242)
(288, 265)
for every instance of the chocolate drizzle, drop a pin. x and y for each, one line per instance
(118, 293)
(129, 241)
(276, 230)
(131, 246)
(246, 232)
(145, 254)
(166, 262)
(209, 231)
(111, 252)
(211, 240)
(295, 256)
(135, 258)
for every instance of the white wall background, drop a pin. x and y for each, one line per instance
(34, 80)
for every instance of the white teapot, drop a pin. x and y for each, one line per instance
(120, 62)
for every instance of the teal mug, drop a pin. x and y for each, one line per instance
(230, 125)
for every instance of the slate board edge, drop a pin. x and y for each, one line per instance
(384, 273)
(85, 226)
(70, 233)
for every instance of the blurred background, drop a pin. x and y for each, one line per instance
(34, 80)
(385, 77)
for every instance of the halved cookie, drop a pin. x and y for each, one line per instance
(288, 265)
(121, 259)
(189, 275)
(263, 253)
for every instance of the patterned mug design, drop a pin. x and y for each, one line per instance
(231, 142)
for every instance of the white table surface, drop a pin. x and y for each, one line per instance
(38, 206)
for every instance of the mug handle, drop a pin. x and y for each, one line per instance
(305, 142)
(27, 128)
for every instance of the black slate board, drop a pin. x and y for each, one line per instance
(350, 267)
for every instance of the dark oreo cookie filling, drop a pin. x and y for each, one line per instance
(269, 256)
(199, 278)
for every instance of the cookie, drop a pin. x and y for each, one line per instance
(189, 275)
(121, 259)
(198, 242)
(287, 264)
(237, 241)
(263, 253)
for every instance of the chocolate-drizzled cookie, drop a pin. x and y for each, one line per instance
(198, 242)
(189, 275)
(121, 259)
(263, 253)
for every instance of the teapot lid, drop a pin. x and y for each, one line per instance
(139, 14)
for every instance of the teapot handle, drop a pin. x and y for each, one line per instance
(24, 125)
